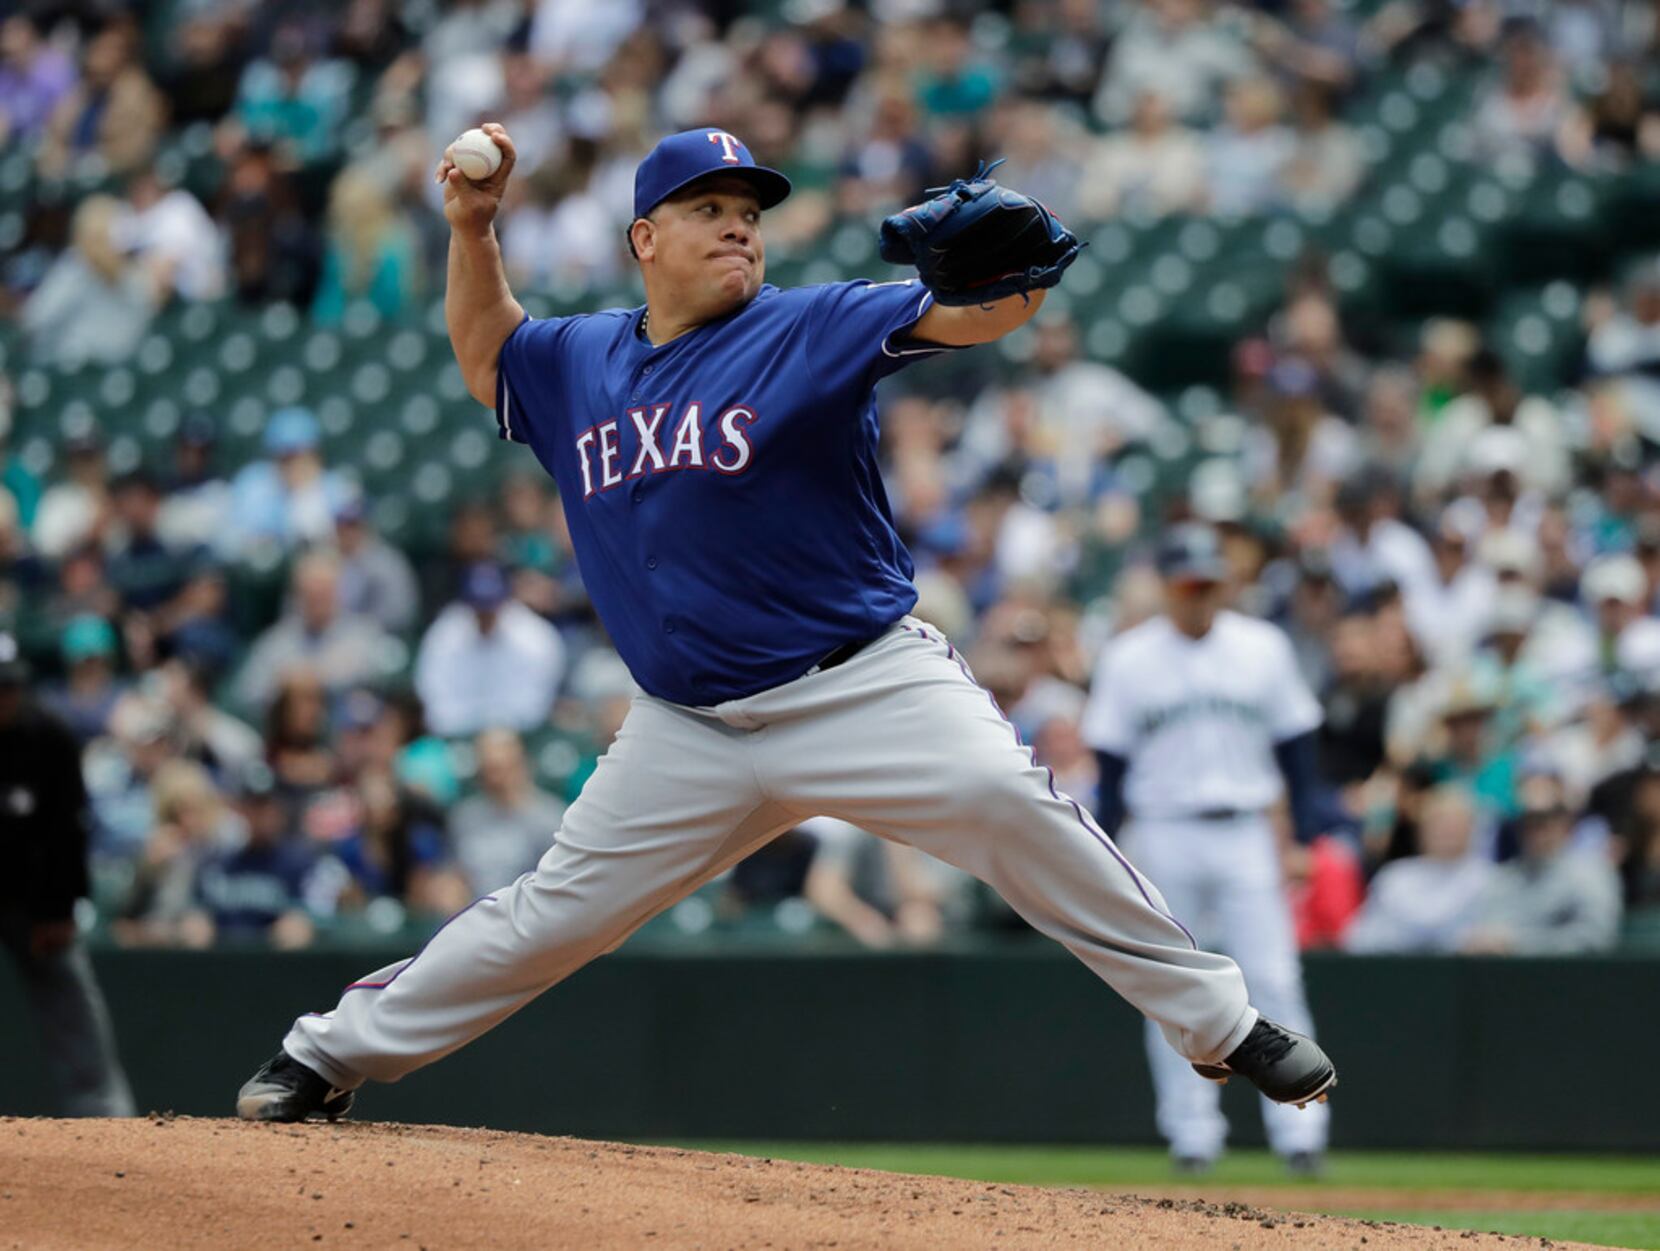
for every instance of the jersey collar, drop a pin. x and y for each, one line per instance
(636, 318)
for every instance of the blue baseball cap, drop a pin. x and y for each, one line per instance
(1192, 553)
(484, 585)
(680, 159)
(360, 710)
(1294, 378)
(291, 430)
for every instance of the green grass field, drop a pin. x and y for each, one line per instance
(1611, 1200)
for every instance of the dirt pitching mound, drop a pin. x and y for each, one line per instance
(182, 1182)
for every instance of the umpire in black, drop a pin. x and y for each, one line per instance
(43, 871)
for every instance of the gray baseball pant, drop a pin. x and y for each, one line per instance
(899, 740)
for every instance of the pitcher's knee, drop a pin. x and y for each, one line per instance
(557, 914)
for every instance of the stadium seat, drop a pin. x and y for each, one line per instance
(1556, 232)
(159, 423)
(409, 351)
(1629, 210)
(241, 428)
(1538, 333)
(382, 461)
(17, 178)
(1441, 267)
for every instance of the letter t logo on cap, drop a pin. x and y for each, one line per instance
(727, 143)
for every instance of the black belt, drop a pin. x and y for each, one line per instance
(841, 655)
(1203, 814)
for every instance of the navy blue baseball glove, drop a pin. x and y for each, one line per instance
(974, 241)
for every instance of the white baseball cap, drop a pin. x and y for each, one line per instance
(1508, 551)
(1217, 492)
(1497, 449)
(1617, 577)
(1513, 612)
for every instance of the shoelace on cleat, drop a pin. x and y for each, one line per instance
(288, 1064)
(1274, 1044)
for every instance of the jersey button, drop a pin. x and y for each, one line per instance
(651, 562)
(637, 494)
(647, 369)
(668, 625)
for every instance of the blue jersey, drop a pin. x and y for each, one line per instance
(722, 490)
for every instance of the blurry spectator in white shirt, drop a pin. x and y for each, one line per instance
(1448, 616)
(1313, 44)
(530, 112)
(561, 234)
(1574, 654)
(1627, 636)
(376, 579)
(1526, 111)
(342, 649)
(1327, 158)
(76, 510)
(1302, 452)
(579, 35)
(1389, 435)
(1084, 412)
(1152, 167)
(1495, 401)
(198, 503)
(1625, 346)
(502, 832)
(290, 497)
(1250, 152)
(488, 660)
(169, 230)
(1171, 46)
(1376, 547)
(96, 301)
(1423, 903)
(464, 80)
(1553, 899)
(1583, 33)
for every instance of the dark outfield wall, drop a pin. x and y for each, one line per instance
(1018, 1045)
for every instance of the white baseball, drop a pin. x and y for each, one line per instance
(475, 154)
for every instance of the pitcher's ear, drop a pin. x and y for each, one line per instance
(638, 237)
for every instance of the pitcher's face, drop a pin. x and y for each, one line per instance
(705, 247)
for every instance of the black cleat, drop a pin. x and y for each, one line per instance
(1284, 1066)
(1192, 1166)
(285, 1090)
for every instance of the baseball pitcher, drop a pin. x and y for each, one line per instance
(1196, 716)
(716, 455)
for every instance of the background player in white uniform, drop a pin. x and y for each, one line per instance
(1199, 718)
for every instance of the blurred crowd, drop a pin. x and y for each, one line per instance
(310, 129)
(291, 724)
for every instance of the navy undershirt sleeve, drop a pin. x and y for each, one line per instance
(1315, 809)
(1110, 791)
